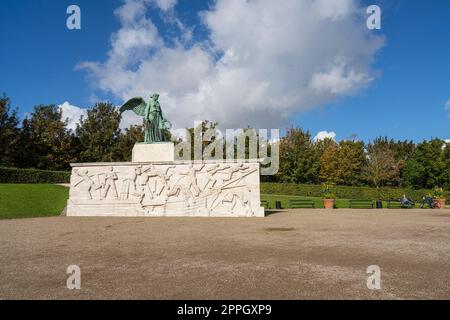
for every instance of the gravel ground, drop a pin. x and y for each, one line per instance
(294, 254)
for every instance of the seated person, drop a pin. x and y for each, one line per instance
(428, 201)
(406, 202)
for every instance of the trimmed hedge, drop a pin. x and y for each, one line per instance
(344, 192)
(14, 175)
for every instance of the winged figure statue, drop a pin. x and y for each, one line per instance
(155, 123)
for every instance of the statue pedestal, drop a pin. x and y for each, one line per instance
(154, 152)
(165, 189)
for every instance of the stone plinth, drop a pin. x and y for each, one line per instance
(181, 188)
(154, 152)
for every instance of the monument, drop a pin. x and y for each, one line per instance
(154, 184)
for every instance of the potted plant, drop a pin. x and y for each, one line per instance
(328, 195)
(438, 197)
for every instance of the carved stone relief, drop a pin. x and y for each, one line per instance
(175, 189)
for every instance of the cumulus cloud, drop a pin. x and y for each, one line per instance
(261, 61)
(72, 114)
(129, 118)
(322, 135)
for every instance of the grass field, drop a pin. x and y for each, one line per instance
(31, 200)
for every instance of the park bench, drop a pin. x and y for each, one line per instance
(298, 204)
(265, 204)
(397, 204)
(362, 204)
(394, 204)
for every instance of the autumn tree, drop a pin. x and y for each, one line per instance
(382, 168)
(343, 163)
(329, 163)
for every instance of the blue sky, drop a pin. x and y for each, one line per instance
(405, 100)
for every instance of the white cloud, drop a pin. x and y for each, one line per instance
(447, 107)
(338, 81)
(322, 135)
(165, 4)
(72, 114)
(129, 118)
(262, 61)
(445, 144)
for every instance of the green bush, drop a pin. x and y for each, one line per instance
(344, 192)
(14, 175)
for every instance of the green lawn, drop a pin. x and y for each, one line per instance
(31, 200)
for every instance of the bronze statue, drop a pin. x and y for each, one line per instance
(155, 123)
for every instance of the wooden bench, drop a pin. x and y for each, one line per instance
(397, 204)
(394, 204)
(298, 204)
(362, 204)
(265, 204)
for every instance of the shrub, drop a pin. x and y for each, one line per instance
(437, 193)
(327, 191)
(344, 192)
(14, 175)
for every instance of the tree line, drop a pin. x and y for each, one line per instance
(43, 141)
(379, 163)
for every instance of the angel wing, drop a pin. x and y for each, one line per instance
(137, 105)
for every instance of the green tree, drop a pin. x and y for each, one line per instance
(126, 141)
(298, 158)
(99, 134)
(45, 142)
(426, 168)
(9, 132)
(446, 159)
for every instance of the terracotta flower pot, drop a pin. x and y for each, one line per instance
(440, 203)
(328, 203)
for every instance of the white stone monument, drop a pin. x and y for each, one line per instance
(155, 152)
(153, 184)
